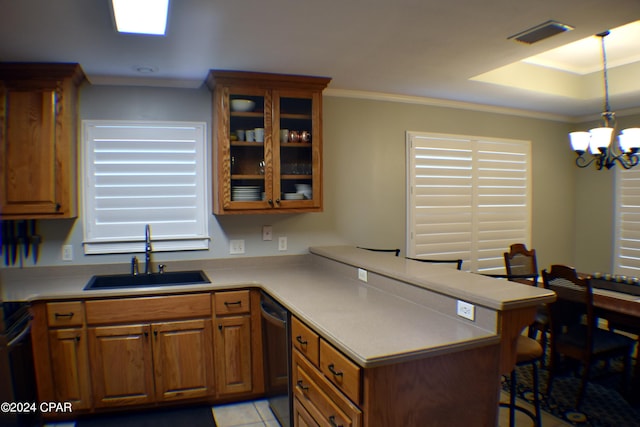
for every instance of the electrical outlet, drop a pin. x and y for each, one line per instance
(362, 274)
(282, 243)
(67, 252)
(466, 310)
(267, 232)
(236, 247)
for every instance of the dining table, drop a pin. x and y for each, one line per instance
(619, 304)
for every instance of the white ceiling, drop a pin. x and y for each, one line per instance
(413, 48)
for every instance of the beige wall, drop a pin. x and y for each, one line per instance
(364, 176)
(365, 169)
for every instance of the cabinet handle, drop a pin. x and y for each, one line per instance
(220, 327)
(270, 202)
(277, 201)
(69, 315)
(146, 334)
(301, 386)
(301, 341)
(77, 338)
(333, 371)
(332, 421)
(58, 206)
(227, 303)
(155, 333)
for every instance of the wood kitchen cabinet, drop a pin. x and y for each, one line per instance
(331, 389)
(61, 354)
(38, 140)
(121, 365)
(281, 174)
(160, 350)
(237, 343)
(137, 364)
(70, 367)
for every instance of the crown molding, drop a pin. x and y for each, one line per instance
(434, 102)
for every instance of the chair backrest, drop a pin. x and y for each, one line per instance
(574, 301)
(457, 262)
(397, 251)
(521, 261)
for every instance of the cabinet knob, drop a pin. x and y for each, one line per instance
(270, 202)
(220, 326)
(58, 206)
(78, 338)
(277, 201)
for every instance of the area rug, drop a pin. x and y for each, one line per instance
(194, 416)
(603, 405)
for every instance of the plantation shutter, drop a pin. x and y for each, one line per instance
(144, 173)
(627, 223)
(468, 198)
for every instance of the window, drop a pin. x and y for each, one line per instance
(468, 198)
(627, 222)
(138, 173)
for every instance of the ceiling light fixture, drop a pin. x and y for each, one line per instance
(599, 141)
(141, 16)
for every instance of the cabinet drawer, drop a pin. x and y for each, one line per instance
(148, 309)
(342, 372)
(305, 340)
(68, 313)
(326, 404)
(231, 302)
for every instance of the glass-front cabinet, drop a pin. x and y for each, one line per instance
(267, 142)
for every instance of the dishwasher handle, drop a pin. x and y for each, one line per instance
(21, 335)
(270, 317)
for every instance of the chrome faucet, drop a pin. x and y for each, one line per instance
(147, 250)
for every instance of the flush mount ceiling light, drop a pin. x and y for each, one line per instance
(141, 16)
(541, 32)
(599, 141)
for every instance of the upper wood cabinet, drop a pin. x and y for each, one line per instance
(280, 172)
(38, 140)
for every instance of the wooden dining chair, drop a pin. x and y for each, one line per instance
(522, 261)
(396, 251)
(574, 328)
(456, 262)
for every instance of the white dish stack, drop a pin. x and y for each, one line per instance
(245, 193)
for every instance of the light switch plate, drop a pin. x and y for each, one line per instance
(282, 243)
(236, 247)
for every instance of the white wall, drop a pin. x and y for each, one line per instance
(364, 175)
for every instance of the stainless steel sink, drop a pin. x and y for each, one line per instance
(124, 281)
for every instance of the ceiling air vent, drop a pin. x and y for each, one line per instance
(541, 32)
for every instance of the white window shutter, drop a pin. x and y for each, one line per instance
(139, 173)
(627, 223)
(469, 198)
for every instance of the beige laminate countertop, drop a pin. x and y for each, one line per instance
(372, 326)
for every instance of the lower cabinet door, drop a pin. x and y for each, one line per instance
(183, 359)
(301, 417)
(121, 365)
(233, 354)
(70, 367)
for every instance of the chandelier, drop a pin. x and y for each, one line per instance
(600, 142)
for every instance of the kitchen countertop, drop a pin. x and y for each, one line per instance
(372, 326)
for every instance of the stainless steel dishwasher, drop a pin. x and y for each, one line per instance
(277, 357)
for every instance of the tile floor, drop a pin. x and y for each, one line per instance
(245, 414)
(257, 414)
